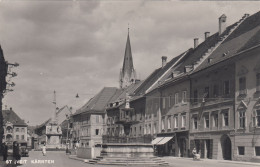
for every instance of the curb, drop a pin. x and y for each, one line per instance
(239, 162)
(219, 161)
(79, 159)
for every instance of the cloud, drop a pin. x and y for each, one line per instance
(78, 46)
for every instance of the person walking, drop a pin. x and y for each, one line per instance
(16, 151)
(5, 150)
(44, 149)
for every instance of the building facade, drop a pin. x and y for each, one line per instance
(247, 106)
(15, 129)
(89, 121)
(3, 74)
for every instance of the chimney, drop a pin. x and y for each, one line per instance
(206, 35)
(196, 42)
(222, 24)
(164, 60)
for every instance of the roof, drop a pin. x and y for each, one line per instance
(155, 76)
(11, 116)
(128, 59)
(57, 113)
(120, 95)
(99, 102)
(245, 36)
(193, 55)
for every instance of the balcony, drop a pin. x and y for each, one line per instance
(9, 131)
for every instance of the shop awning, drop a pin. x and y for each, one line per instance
(164, 140)
(157, 139)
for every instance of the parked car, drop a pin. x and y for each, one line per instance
(24, 151)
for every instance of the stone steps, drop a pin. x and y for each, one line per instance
(147, 161)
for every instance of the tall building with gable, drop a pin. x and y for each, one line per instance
(127, 73)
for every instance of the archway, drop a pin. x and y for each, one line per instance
(226, 147)
(9, 138)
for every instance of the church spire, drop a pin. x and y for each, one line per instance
(127, 74)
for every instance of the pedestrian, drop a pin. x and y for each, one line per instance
(194, 152)
(44, 149)
(16, 151)
(5, 150)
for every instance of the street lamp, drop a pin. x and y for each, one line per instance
(68, 122)
(12, 64)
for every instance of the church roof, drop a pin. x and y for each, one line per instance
(128, 59)
(11, 116)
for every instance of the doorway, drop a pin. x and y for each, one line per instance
(226, 147)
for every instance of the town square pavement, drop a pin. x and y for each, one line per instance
(60, 159)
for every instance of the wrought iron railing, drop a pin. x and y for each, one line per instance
(125, 139)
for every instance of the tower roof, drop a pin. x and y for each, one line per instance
(127, 73)
(128, 59)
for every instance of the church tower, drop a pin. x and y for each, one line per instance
(127, 73)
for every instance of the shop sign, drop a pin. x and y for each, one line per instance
(202, 136)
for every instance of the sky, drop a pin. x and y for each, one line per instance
(73, 46)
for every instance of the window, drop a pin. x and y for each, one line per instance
(176, 98)
(256, 118)
(170, 101)
(183, 121)
(242, 85)
(163, 102)
(176, 121)
(195, 122)
(242, 119)
(226, 88)
(257, 151)
(149, 129)
(97, 118)
(22, 137)
(169, 122)
(215, 90)
(17, 137)
(225, 118)
(195, 98)
(258, 82)
(206, 120)
(140, 130)
(135, 131)
(97, 131)
(17, 129)
(215, 120)
(206, 92)
(241, 150)
(154, 128)
(163, 122)
(184, 96)
(22, 130)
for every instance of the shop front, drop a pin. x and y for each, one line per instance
(172, 144)
(212, 145)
